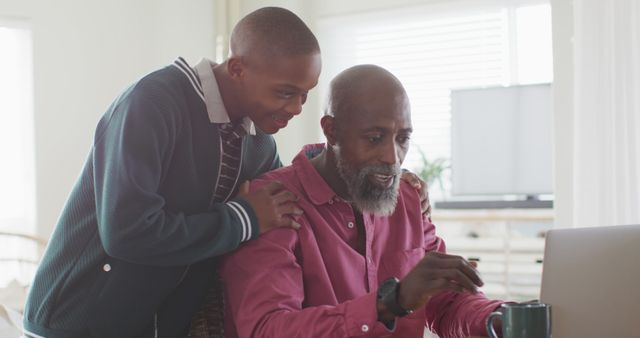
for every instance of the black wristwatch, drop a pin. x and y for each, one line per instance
(388, 295)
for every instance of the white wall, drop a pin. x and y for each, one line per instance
(85, 53)
(340, 7)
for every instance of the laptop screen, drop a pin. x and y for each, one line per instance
(591, 279)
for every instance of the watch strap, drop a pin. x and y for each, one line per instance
(390, 298)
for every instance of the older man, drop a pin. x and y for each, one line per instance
(365, 261)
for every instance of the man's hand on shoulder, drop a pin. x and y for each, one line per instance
(274, 206)
(422, 188)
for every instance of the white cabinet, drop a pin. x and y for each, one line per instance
(509, 244)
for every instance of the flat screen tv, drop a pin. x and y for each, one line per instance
(502, 141)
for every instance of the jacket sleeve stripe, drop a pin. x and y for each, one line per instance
(244, 219)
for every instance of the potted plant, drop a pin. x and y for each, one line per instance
(431, 170)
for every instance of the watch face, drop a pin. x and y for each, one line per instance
(387, 287)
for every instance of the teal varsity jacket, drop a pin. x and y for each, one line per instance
(134, 249)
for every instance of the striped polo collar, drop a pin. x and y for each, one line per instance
(204, 83)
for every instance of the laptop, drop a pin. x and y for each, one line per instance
(591, 279)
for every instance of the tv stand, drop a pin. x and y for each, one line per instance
(530, 203)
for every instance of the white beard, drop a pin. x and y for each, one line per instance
(365, 195)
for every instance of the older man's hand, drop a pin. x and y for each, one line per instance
(435, 273)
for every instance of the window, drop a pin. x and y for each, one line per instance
(435, 48)
(17, 173)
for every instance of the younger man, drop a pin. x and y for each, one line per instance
(135, 248)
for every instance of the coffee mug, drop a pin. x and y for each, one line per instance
(525, 320)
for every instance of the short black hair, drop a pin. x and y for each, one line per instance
(272, 32)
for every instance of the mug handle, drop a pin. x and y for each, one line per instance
(492, 333)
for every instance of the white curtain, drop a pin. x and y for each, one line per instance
(606, 182)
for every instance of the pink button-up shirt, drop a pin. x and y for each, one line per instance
(314, 283)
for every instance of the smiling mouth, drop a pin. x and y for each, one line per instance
(281, 122)
(383, 180)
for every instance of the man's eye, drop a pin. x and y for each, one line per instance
(285, 94)
(403, 139)
(375, 139)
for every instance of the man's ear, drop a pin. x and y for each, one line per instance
(328, 128)
(235, 68)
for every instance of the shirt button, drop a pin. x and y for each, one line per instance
(106, 267)
(365, 328)
(350, 225)
(330, 202)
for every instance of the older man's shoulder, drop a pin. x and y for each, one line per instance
(285, 175)
(408, 192)
(408, 197)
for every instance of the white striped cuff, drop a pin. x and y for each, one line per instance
(27, 334)
(244, 220)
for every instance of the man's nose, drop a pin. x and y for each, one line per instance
(295, 105)
(390, 153)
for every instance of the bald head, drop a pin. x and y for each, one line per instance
(272, 32)
(359, 89)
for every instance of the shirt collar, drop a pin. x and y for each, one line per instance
(314, 185)
(212, 98)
